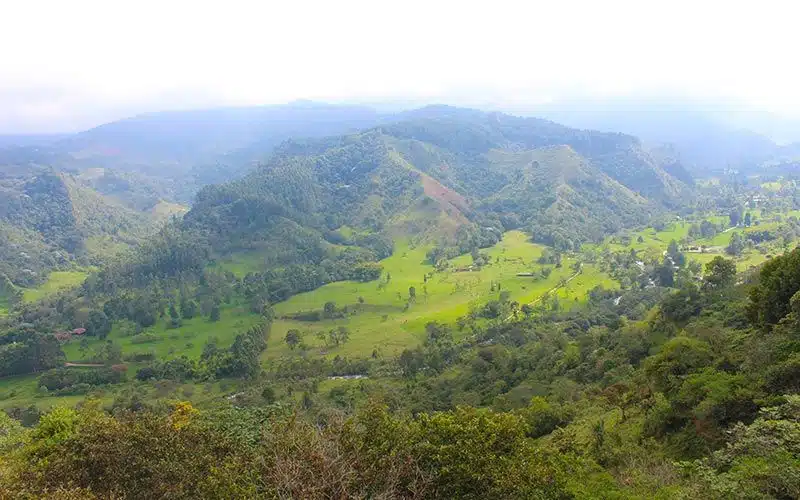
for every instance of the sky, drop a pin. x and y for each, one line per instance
(67, 66)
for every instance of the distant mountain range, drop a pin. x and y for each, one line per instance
(319, 175)
(709, 137)
(455, 178)
(184, 150)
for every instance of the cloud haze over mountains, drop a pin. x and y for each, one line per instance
(100, 62)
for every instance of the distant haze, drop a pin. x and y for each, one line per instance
(68, 66)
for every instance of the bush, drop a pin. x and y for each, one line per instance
(145, 338)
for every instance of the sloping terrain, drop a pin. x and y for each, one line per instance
(47, 218)
(562, 198)
(452, 177)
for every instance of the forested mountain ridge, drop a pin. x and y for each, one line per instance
(193, 136)
(47, 219)
(451, 177)
(172, 154)
(707, 137)
(622, 157)
(115, 183)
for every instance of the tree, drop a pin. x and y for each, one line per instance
(720, 273)
(293, 338)
(678, 357)
(411, 362)
(665, 274)
(736, 246)
(707, 229)
(760, 459)
(111, 352)
(736, 216)
(83, 347)
(673, 249)
(267, 312)
(329, 309)
(189, 308)
(412, 294)
(748, 219)
(339, 335)
(268, 395)
(215, 313)
(779, 281)
(98, 324)
(174, 317)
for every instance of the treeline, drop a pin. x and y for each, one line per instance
(269, 453)
(240, 360)
(24, 350)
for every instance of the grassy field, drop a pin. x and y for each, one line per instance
(57, 280)
(242, 263)
(382, 323)
(653, 243)
(22, 392)
(166, 343)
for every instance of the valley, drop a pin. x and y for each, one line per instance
(380, 317)
(388, 283)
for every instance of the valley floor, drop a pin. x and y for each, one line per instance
(381, 319)
(380, 316)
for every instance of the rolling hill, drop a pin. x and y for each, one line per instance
(457, 178)
(51, 220)
(172, 154)
(324, 209)
(708, 136)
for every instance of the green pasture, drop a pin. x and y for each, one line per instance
(382, 322)
(56, 281)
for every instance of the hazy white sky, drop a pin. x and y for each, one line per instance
(66, 65)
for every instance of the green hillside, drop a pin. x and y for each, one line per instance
(52, 222)
(320, 213)
(448, 304)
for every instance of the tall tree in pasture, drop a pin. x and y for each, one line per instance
(779, 281)
(98, 324)
(736, 246)
(719, 273)
(736, 216)
(292, 338)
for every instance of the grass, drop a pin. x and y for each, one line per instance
(382, 323)
(105, 246)
(23, 391)
(56, 281)
(242, 263)
(653, 243)
(167, 343)
(163, 210)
